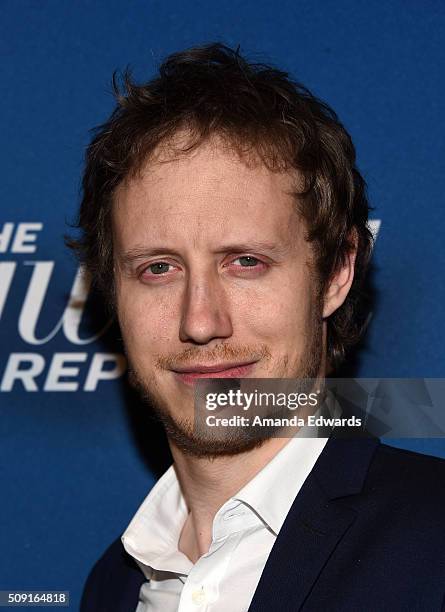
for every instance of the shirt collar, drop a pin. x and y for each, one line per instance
(153, 534)
(272, 491)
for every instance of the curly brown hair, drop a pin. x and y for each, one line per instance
(210, 90)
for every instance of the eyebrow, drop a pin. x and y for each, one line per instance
(254, 245)
(129, 257)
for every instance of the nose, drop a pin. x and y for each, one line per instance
(205, 312)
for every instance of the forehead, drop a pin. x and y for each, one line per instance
(205, 196)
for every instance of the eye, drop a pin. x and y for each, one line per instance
(160, 267)
(247, 265)
(247, 261)
(157, 271)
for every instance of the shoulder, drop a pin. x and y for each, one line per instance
(423, 471)
(114, 577)
(409, 483)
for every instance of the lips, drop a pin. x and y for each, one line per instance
(233, 370)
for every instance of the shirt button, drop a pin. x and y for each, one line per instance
(199, 597)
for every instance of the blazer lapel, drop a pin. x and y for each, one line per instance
(320, 516)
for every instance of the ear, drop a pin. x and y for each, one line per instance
(340, 283)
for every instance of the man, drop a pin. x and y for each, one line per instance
(225, 219)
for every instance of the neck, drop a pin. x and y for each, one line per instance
(208, 483)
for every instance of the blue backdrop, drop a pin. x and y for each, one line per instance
(77, 453)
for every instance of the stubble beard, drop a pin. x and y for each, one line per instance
(196, 443)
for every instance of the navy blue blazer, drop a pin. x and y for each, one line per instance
(365, 532)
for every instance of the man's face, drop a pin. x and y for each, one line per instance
(212, 278)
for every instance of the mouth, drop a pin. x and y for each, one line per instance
(189, 376)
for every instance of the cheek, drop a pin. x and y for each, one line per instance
(279, 315)
(147, 324)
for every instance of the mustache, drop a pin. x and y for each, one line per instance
(220, 353)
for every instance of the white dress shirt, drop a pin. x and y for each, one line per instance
(244, 531)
